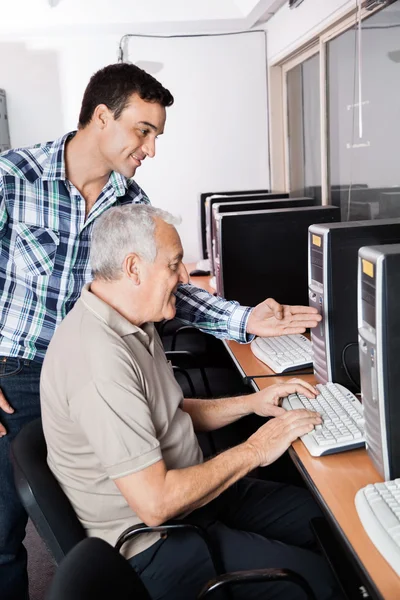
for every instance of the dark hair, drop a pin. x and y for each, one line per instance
(113, 85)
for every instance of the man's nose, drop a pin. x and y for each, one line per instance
(149, 148)
(183, 274)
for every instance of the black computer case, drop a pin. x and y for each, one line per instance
(333, 259)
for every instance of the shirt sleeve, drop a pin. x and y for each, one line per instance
(3, 209)
(220, 317)
(114, 415)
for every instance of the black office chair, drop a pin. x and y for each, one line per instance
(60, 528)
(94, 570)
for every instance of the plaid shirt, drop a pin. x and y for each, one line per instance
(44, 252)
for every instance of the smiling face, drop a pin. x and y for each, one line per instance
(159, 280)
(125, 142)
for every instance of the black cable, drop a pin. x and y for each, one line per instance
(349, 375)
(247, 378)
(179, 35)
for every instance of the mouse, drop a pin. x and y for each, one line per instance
(198, 273)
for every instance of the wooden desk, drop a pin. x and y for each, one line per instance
(334, 480)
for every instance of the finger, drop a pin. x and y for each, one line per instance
(301, 387)
(302, 309)
(4, 405)
(302, 413)
(2, 430)
(275, 411)
(302, 318)
(277, 308)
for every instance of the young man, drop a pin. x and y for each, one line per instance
(50, 197)
(121, 438)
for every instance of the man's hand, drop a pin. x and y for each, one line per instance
(4, 405)
(266, 402)
(274, 438)
(271, 319)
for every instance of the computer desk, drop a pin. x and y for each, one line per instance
(334, 481)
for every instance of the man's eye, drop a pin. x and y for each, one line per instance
(173, 267)
(144, 131)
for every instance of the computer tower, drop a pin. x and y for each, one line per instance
(4, 130)
(203, 198)
(246, 206)
(221, 199)
(379, 341)
(332, 276)
(264, 253)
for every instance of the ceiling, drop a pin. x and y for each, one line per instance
(24, 18)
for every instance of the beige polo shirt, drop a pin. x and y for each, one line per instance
(110, 407)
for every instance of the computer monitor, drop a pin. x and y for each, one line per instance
(264, 253)
(389, 204)
(203, 198)
(245, 206)
(379, 341)
(332, 268)
(220, 198)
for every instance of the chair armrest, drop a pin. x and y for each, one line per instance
(256, 576)
(137, 530)
(185, 329)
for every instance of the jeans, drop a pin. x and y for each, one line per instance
(19, 382)
(254, 524)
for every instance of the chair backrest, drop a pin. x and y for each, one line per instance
(94, 570)
(41, 494)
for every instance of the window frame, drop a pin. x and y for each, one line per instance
(278, 100)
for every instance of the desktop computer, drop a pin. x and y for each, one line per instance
(379, 342)
(203, 198)
(264, 253)
(245, 206)
(220, 199)
(332, 277)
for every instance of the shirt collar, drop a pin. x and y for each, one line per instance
(54, 166)
(115, 320)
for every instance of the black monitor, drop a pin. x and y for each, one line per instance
(264, 253)
(246, 206)
(221, 199)
(389, 204)
(203, 198)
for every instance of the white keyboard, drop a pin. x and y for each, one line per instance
(283, 353)
(378, 507)
(342, 415)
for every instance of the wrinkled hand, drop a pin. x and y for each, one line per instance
(266, 403)
(274, 437)
(4, 405)
(271, 319)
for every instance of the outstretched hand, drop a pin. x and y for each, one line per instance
(270, 319)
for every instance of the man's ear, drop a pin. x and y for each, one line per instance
(101, 116)
(131, 268)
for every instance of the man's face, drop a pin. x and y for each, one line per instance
(125, 142)
(160, 279)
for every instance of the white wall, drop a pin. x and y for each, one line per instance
(216, 133)
(290, 28)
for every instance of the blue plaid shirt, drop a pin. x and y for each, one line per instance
(44, 252)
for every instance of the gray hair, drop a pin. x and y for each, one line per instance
(121, 230)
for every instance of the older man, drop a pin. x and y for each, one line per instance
(121, 438)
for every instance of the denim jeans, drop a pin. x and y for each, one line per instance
(19, 382)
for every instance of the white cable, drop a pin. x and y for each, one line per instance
(360, 111)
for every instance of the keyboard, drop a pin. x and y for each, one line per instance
(378, 507)
(342, 415)
(283, 353)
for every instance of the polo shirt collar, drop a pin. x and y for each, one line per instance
(115, 320)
